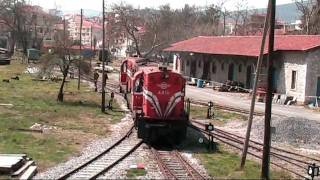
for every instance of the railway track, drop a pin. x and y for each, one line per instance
(174, 166)
(113, 86)
(110, 85)
(227, 108)
(290, 161)
(103, 162)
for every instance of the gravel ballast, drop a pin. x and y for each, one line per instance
(295, 131)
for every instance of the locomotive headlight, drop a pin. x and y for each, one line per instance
(200, 140)
(209, 127)
(139, 111)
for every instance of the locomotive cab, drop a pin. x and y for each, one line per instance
(137, 92)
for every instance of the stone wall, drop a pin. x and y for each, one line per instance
(292, 61)
(200, 63)
(313, 72)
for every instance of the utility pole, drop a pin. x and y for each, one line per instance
(267, 120)
(91, 43)
(103, 93)
(255, 85)
(35, 31)
(79, 63)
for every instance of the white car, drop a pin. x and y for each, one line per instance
(106, 68)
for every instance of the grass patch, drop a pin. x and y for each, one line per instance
(134, 173)
(225, 165)
(77, 120)
(200, 112)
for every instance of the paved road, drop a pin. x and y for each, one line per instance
(206, 94)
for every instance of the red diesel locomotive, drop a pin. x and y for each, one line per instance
(156, 98)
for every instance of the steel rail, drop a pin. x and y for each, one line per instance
(70, 173)
(277, 155)
(228, 108)
(220, 138)
(168, 174)
(191, 170)
(119, 160)
(258, 143)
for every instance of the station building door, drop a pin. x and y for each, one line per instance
(231, 72)
(318, 87)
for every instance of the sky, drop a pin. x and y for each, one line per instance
(72, 5)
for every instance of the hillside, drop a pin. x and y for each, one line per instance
(285, 12)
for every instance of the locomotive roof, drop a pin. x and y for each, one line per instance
(153, 69)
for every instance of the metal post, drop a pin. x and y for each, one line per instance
(91, 37)
(267, 127)
(91, 43)
(103, 93)
(254, 90)
(80, 50)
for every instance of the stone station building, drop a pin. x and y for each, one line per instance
(221, 58)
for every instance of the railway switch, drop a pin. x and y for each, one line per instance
(210, 113)
(209, 127)
(201, 140)
(111, 100)
(313, 170)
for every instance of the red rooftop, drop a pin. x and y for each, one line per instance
(244, 45)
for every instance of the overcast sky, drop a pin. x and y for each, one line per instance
(67, 5)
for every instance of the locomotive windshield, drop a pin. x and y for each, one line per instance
(139, 85)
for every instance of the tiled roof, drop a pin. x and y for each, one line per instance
(244, 45)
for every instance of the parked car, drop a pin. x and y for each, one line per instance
(4, 57)
(33, 54)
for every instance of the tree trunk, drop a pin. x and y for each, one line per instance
(12, 42)
(137, 46)
(60, 94)
(224, 24)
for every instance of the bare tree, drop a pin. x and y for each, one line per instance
(22, 20)
(15, 18)
(60, 56)
(307, 9)
(129, 20)
(163, 26)
(315, 19)
(240, 16)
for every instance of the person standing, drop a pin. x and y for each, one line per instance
(111, 100)
(105, 78)
(95, 80)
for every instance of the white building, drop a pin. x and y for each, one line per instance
(296, 64)
(90, 30)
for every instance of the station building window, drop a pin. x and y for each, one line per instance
(182, 65)
(199, 63)
(293, 79)
(214, 68)
(240, 68)
(222, 66)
